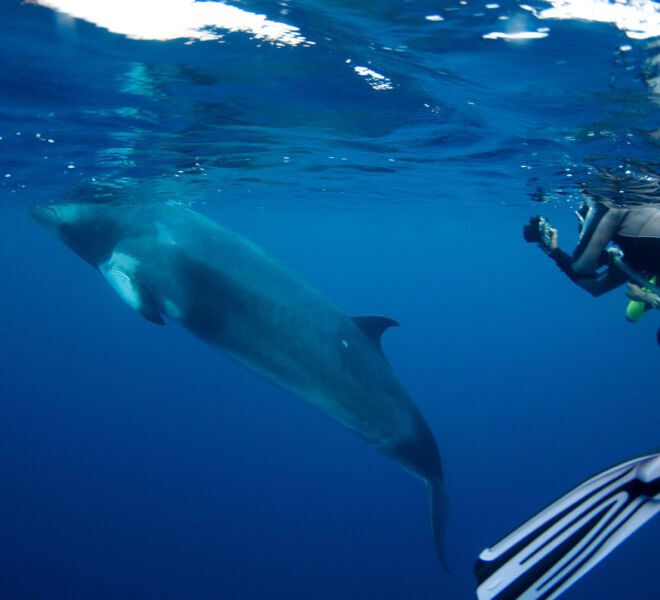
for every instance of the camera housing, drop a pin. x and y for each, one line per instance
(533, 231)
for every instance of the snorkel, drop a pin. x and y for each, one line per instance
(582, 213)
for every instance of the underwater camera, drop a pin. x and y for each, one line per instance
(536, 229)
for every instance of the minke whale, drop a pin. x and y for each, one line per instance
(166, 260)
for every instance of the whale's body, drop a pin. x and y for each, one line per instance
(167, 260)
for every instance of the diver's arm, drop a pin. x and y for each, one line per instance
(599, 230)
(639, 294)
(590, 255)
(596, 284)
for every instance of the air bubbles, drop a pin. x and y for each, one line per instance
(375, 80)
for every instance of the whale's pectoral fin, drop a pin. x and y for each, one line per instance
(373, 326)
(545, 556)
(119, 270)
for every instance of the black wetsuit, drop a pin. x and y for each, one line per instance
(635, 229)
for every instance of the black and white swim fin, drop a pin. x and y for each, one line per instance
(542, 558)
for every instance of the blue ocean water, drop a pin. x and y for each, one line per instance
(391, 159)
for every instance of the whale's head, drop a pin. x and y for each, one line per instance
(90, 230)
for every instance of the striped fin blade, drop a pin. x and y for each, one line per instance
(547, 554)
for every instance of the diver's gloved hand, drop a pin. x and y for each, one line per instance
(639, 294)
(548, 241)
(538, 230)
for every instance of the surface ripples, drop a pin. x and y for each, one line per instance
(389, 93)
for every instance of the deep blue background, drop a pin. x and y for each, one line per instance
(135, 462)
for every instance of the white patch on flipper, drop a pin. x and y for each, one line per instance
(172, 310)
(119, 270)
(67, 213)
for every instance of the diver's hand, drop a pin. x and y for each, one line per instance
(635, 292)
(548, 241)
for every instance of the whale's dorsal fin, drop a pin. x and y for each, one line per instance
(119, 270)
(373, 326)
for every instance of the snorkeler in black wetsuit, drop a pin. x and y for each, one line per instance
(634, 228)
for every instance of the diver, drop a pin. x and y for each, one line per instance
(599, 267)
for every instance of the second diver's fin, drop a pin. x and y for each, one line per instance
(550, 552)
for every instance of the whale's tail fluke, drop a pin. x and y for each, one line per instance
(439, 512)
(546, 555)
